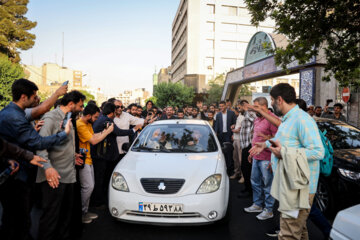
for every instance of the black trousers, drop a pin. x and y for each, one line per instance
(102, 172)
(246, 168)
(57, 211)
(226, 137)
(15, 197)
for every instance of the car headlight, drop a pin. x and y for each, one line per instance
(349, 174)
(118, 182)
(211, 184)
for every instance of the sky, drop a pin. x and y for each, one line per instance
(116, 43)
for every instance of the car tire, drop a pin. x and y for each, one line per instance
(324, 198)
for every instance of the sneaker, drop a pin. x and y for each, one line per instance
(86, 219)
(253, 208)
(266, 214)
(273, 232)
(242, 180)
(234, 176)
(91, 215)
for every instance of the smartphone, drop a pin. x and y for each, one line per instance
(273, 144)
(328, 101)
(67, 118)
(65, 83)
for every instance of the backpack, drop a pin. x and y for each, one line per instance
(326, 163)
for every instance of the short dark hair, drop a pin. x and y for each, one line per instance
(139, 106)
(195, 108)
(91, 102)
(102, 105)
(242, 102)
(284, 90)
(228, 100)
(109, 108)
(149, 101)
(318, 107)
(339, 105)
(73, 96)
(261, 100)
(23, 86)
(222, 102)
(212, 112)
(91, 109)
(112, 100)
(302, 104)
(180, 110)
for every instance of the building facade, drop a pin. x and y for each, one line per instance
(209, 37)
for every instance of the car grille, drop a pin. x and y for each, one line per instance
(164, 215)
(172, 186)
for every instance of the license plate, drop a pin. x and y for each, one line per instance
(160, 207)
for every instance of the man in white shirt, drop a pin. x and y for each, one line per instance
(123, 120)
(237, 149)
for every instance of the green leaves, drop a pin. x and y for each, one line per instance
(9, 72)
(14, 27)
(173, 94)
(313, 25)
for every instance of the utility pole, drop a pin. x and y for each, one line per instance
(62, 50)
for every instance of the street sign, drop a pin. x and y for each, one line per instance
(346, 94)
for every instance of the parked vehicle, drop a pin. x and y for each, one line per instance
(174, 173)
(342, 188)
(347, 224)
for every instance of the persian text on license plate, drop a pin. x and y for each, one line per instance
(160, 207)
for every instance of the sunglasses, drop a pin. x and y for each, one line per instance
(117, 107)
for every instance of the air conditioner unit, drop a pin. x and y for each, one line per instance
(209, 67)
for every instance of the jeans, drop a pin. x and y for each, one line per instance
(246, 168)
(261, 180)
(87, 181)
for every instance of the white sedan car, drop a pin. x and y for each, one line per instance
(174, 173)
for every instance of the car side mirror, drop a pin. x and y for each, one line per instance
(227, 147)
(125, 147)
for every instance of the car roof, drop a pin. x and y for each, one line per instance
(335, 122)
(181, 121)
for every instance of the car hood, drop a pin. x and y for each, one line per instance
(169, 165)
(350, 156)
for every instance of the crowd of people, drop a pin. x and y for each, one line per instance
(63, 154)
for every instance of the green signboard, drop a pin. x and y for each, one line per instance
(255, 50)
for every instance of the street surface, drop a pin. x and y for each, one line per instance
(241, 226)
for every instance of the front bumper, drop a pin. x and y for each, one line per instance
(196, 207)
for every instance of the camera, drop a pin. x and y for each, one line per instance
(107, 124)
(150, 113)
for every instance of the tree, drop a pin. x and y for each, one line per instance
(216, 88)
(14, 27)
(88, 95)
(314, 25)
(173, 94)
(9, 72)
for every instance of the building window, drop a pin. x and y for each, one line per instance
(230, 10)
(210, 8)
(228, 27)
(243, 12)
(228, 63)
(228, 44)
(210, 26)
(210, 43)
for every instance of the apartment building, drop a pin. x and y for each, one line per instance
(209, 37)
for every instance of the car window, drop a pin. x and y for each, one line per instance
(341, 136)
(176, 138)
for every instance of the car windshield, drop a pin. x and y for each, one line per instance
(341, 135)
(184, 138)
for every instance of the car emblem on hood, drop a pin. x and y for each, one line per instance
(162, 186)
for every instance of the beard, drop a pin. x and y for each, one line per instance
(277, 111)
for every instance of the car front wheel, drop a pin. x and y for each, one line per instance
(324, 198)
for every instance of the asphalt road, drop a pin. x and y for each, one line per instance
(241, 226)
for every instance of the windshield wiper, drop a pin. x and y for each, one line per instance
(146, 148)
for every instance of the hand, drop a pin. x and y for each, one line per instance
(190, 143)
(12, 164)
(61, 90)
(232, 126)
(52, 177)
(36, 161)
(326, 109)
(255, 108)
(68, 127)
(137, 127)
(257, 148)
(110, 128)
(78, 159)
(250, 159)
(38, 125)
(269, 167)
(276, 149)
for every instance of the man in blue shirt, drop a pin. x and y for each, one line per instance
(15, 128)
(297, 130)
